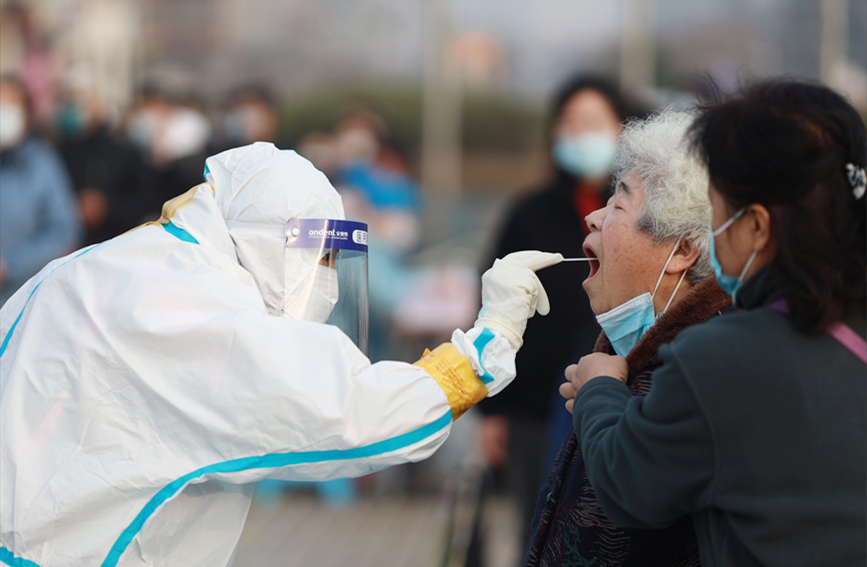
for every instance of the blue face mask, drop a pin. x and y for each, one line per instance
(587, 155)
(730, 284)
(626, 324)
(70, 121)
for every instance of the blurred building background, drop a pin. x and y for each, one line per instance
(460, 80)
(461, 83)
(460, 88)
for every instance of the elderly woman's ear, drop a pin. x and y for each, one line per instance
(684, 257)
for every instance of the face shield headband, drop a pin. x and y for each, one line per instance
(335, 289)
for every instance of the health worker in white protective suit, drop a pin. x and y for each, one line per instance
(148, 382)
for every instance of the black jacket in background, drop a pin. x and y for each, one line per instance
(546, 220)
(129, 184)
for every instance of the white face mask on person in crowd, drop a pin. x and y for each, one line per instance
(626, 324)
(13, 125)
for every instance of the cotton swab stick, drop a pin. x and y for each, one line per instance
(580, 259)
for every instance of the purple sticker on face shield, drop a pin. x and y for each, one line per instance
(326, 233)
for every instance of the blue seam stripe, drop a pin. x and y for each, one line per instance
(264, 462)
(9, 558)
(180, 233)
(15, 324)
(170, 228)
(17, 319)
(207, 171)
(480, 343)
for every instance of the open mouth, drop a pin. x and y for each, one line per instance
(594, 265)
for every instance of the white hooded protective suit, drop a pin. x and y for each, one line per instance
(146, 384)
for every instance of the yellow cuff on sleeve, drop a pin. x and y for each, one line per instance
(455, 375)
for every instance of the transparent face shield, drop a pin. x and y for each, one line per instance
(337, 286)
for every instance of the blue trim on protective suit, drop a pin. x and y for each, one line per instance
(480, 343)
(170, 228)
(180, 233)
(15, 324)
(9, 558)
(266, 462)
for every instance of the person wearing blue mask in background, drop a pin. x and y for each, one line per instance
(585, 119)
(650, 278)
(755, 426)
(38, 216)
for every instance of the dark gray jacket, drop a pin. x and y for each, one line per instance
(757, 430)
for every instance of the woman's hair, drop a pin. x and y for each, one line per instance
(676, 205)
(566, 91)
(608, 89)
(786, 145)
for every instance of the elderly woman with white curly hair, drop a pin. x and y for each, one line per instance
(651, 278)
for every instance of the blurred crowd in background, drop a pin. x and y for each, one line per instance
(86, 177)
(79, 165)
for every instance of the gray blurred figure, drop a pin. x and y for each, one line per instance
(248, 116)
(38, 216)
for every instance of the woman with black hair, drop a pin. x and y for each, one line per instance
(756, 421)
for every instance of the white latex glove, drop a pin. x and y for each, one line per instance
(512, 293)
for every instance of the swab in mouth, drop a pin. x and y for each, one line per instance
(580, 259)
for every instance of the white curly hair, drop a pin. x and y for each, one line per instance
(675, 181)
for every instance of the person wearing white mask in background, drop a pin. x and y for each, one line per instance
(38, 214)
(180, 145)
(650, 279)
(250, 116)
(143, 123)
(151, 380)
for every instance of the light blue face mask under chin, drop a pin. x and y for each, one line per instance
(729, 284)
(626, 324)
(587, 155)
